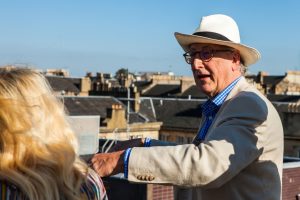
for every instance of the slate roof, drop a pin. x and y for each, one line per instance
(147, 109)
(89, 105)
(174, 113)
(96, 105)
(194, 93)
(162, 90)
(75, 81)
(136, 118)
(61, 83)
(272, 80)
(142, 84)
(283, 98)
(267, 80)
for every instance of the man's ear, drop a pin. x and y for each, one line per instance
(236, 60)
(236, 57)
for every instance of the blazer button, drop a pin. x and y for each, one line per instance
(144, 178)
(139, 177)
(151, 178)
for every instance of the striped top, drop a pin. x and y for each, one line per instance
(10, 192)
(92, 189)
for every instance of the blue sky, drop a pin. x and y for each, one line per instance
(103, 36)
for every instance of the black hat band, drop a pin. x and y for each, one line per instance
(212, 35)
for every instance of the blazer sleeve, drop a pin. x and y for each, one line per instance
(234, 142)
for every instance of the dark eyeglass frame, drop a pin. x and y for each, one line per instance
(206, 54)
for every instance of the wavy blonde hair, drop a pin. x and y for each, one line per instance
(37, 145)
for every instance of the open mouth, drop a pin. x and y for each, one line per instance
(201, 76)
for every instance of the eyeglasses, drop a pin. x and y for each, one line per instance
(206, 54)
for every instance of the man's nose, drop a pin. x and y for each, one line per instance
(197, 63)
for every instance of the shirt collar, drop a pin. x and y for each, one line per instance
(212, 106)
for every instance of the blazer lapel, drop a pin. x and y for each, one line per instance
(237, 88)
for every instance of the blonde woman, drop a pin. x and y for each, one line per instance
(38, 157)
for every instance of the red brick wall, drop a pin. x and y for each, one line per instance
(290, 187)
(291, 183)
(160, 192)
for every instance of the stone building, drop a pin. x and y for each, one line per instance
(290, 116)
(288, 84)
(115, 122)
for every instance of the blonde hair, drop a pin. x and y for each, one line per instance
(37, 145)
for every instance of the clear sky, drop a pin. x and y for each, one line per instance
(103, 36)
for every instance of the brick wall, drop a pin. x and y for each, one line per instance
(291, 183)
(121, 189)
(290, 186)
(159, 192)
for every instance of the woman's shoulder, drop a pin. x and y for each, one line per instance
(94, 188)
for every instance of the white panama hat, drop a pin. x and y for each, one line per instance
(221, 30)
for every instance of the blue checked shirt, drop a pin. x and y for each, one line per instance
(210, 109)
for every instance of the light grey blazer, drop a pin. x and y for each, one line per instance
(241, 157)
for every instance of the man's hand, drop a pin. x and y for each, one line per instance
(123, 145)
(106, 164)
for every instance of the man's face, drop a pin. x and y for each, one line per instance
(216, 73)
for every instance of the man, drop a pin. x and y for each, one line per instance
(238, 151)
